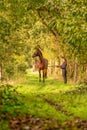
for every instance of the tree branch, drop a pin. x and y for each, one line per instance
(44, 22)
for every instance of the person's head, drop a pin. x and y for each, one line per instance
(64, 59)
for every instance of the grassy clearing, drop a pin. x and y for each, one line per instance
(74, 103)
(25, 98)
(50, 86)
(70, 97)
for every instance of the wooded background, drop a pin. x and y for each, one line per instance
(58, 26)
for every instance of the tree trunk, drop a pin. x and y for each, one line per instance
(0, 72)
(75, 70)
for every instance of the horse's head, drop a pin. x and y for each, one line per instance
(37, 53)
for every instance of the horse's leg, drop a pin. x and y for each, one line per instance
(39, 75)
(43, 75)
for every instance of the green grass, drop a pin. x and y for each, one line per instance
(58, 92)
(39, 108)
(50, 86)
(71, 98)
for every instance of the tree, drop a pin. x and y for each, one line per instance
(59, 26)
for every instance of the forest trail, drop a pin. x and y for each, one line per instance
(52, 105)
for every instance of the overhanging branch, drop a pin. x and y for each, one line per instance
(44, 22)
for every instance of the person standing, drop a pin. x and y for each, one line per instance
(63, 66)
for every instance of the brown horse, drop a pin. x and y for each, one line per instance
(42, 63)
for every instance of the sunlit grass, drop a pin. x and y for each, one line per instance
(74, 103)
(39, 108)
(50, 86)
(30, 99)
(56, 91)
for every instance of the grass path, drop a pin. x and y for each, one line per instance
(70, 97)
(54, 104)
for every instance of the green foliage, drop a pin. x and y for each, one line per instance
(50, 23)
(11, 100)
(4, 29)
